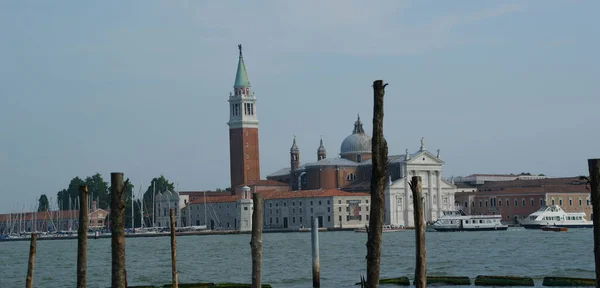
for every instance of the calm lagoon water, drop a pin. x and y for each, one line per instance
(287, 258)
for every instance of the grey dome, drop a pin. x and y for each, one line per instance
(358, 142)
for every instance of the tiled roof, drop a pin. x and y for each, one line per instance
(358, 184)
(216, 199)
(332, 162)
(280, 172)
(309, 194)
(494, 185)
(274, 194)
(208, 192)
(264, 183)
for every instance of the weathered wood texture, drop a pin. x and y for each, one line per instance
(594, 167)
(379, 160)
(117, 227)
(82, 237)
(420, 269)
(173, 251)
(256, 240)
(316, 263)
(29, 279)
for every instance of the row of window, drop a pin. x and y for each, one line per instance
(493, 202)
(348, 218)
(248, 109)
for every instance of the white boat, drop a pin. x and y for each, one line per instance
(459, 221)
(554, 216)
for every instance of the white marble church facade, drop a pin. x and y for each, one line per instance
(438, 193)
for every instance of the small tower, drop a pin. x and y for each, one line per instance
(244, 213)
(321, 152)
(294, 156)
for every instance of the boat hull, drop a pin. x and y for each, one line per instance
(539, 226)
(460, 229)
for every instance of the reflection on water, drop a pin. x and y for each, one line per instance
(287, 258)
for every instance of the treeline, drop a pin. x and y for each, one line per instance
(99, 190)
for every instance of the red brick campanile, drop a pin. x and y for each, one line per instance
(243, 130)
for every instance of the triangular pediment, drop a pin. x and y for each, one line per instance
(424, 157)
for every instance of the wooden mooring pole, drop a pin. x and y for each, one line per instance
(117, 227)
(420, 269)
(256, 240)
(29, 279)
(594, 167)
(82, 236)
(173, 251)
(316, 266)
(379, 159)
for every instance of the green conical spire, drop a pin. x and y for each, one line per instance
(241, 77)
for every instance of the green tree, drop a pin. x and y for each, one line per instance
(98, 190)
(70, 194)
(160, 185)
(43, 203)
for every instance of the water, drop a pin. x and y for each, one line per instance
(287, 258)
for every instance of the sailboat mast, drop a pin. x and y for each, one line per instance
(153, 204)
(132, 223)
(206, 224)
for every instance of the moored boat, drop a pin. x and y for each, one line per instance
(553, 215)
(452, 221)
(554, 228)
(386, 229)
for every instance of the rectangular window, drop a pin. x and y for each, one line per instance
(311, 210)
(500, 203)
(245, 208)
(340, 218)
(319, 202)
(293, 219)
(300, 219)
(327, 202)
(277, 220)
(579, 201)
(541, 202)
(560, 201)
(480, 204)
(328, 218)
(516, 202)
(270, 220)
(570, 202)
(552, 201)
(340, 209)
(311, 203)
(523, 202)
(339, 201)
(532, 202)
(485, 203)
(328, 209)
(300, 210)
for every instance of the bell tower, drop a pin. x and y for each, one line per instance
(321, 152)
(243, 129)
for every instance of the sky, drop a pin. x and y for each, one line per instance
(141, 87)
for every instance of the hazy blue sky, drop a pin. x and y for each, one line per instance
(141, 87)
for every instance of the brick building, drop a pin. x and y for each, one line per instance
(519, 198)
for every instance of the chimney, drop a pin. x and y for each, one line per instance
(94, 208)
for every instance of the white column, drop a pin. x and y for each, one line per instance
(407, 207)
(440, 206)
(431, 195)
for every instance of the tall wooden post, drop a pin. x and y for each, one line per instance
(173, 251)
(379, 160)
(82, 236)
(256, 240)
(117, 227)
(29, 279)
(316, 265)
(420, 269)
(594, 167)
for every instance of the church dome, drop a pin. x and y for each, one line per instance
(358, 142)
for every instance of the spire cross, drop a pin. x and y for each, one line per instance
(240, 48)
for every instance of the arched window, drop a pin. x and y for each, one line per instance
(351, 177)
